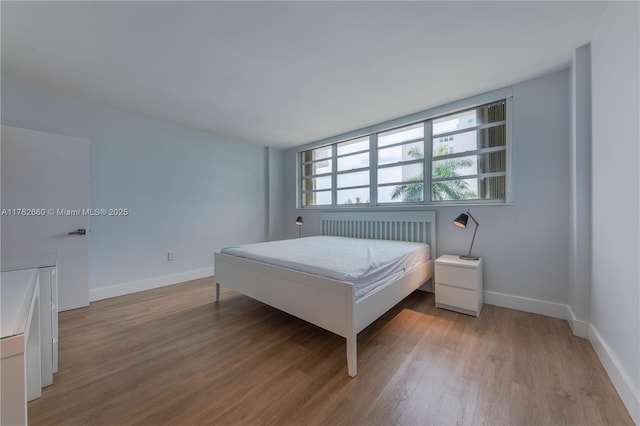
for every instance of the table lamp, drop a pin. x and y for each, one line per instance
(461, 221)
(299, 223)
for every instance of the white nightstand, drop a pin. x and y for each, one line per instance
(459, 284)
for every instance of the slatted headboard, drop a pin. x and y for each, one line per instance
(418, 226)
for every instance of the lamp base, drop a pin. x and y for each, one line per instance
(469, 258)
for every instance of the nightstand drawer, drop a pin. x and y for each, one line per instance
(457, 276)
(457, 297)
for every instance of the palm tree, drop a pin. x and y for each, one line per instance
(445, 190)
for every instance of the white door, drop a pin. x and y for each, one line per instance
(49, 174)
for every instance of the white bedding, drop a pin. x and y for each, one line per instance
(367, 264)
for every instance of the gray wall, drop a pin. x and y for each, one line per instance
(525, 246)
(187, 191)
(615, 293)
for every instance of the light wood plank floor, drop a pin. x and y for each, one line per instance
(171, 356)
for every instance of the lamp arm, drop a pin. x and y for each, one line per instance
(472, 218)
(474, 231)
(474, 237)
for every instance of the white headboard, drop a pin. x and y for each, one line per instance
(418, 226)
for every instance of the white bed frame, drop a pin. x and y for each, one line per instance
(329, 303)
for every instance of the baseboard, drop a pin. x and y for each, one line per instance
(148, 284)
(578, 327)
(628, 393)
(526, 304)
(550, 309)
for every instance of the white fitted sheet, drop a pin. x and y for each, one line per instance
(367, 264)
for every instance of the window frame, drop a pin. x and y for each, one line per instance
(477, 153)
(347, 171)
(403, 163)
(302, 176)
(426, 118)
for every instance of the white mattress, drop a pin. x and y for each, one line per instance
(367, 264)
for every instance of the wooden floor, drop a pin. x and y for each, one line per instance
(171, 356)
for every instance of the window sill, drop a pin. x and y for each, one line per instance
(414, 207)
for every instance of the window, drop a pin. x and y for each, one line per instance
(401, 165)
(317, 169)
(352, 177)
(467, 160)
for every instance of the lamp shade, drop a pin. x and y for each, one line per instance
(299, 221)
(461, 220)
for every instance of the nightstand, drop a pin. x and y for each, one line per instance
(459, 284)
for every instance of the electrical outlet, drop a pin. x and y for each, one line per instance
(171, 256)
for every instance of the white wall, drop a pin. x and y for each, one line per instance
(525, 246)
(615, 294)
(187, 191)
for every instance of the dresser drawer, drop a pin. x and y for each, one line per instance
(456, 276)
(457, 297)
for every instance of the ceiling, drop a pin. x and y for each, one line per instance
(286, 73)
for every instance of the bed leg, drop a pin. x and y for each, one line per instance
(217, 292)
(352, 356)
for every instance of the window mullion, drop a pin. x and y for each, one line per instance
(407, 142)
(402, 182)
(334, 175)
(315, 176)
(353, 187)
(353, 153)
(508, 187)
(400, 163)
(359, 169)
(476, 152)
(428, 153)
(317, 160)
(300, 169)
(373, 169)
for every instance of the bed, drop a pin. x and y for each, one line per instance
(332, 300)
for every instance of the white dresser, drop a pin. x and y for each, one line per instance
(19, 344)
(459, 284)
(47, 266)
(40, 334)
